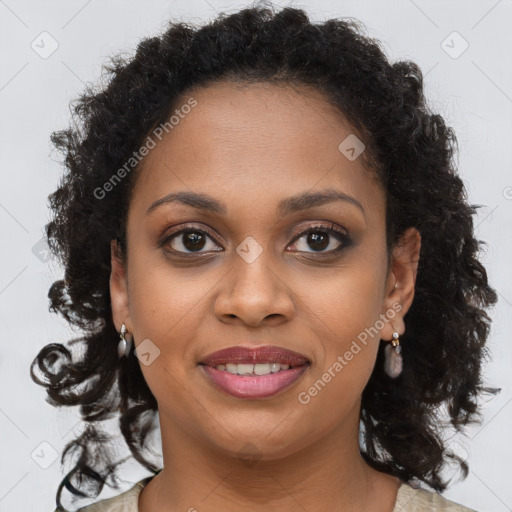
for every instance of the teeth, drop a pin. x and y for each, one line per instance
(232, 368)
(245, 369)
(252, 369)
(262, 369)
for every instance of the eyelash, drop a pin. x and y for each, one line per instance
(328, 229)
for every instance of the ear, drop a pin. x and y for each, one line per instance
(119, 290)
(401, 280)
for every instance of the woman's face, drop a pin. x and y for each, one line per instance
(247, 274)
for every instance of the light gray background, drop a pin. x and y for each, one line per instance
(472, 91)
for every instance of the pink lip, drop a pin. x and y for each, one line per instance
(254, 386)
(245, 355)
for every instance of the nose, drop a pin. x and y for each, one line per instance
(253, 293)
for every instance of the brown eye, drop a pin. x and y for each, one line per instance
(192, 241)
(320, 238)
(318, 241)
(189, 241)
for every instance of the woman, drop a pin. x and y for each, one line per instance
(266, 242)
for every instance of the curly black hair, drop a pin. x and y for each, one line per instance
(408, 147)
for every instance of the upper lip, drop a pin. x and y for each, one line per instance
(245, 355)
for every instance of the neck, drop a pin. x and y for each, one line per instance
(329, 474)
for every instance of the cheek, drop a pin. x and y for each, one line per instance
(165, 308)
(345, 314)
(163, 299)
(346, 354)
(348, 300)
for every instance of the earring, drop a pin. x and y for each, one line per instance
(393, 357)
(124, 346)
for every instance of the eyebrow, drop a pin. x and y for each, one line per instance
(285, 207)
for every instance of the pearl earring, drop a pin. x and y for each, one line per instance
(393, 362)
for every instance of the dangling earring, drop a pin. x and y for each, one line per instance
(393, 357)
(124, 346)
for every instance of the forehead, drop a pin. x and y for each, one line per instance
(259, 140)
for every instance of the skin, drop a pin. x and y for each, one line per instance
(250, 147)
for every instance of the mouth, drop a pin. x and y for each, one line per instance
(254, 372)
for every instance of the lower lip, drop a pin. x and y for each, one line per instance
(254, 386)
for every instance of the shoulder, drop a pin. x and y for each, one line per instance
(411, 498)
(124, 502)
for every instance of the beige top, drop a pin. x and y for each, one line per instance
(409, 499)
